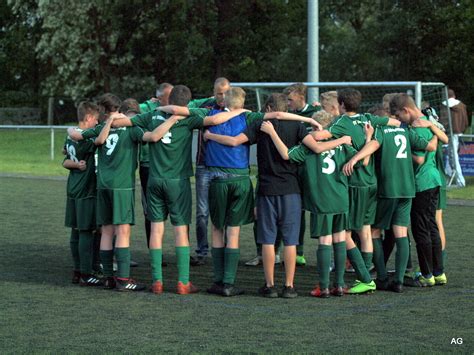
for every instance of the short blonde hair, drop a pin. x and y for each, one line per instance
(235, 98)
(329, 98)
(324, 118)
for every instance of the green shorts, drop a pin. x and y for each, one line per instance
(392, 211)
(169, 196)
(327, 224)
(80, 213)
(362, 206)
(231, 201)
(115, 206)
(442, 198)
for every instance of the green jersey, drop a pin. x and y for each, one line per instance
(149, 106)
(427, 174)
(202, 103)
(118, 156)
(81, 184)
(353, 126)
(325, 187)
(307, 111)
(440, 163)
(170, 157)
(395, 174)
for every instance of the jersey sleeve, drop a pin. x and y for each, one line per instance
(298, 153)
(336, 129)
(417, 143)
(137, 133)
(378, 135)
(92, 132)
(377, 120)
(142, 120)
(251, 117)
(196, 117)
(197, 103)
(424, 133)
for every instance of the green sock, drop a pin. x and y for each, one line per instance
(74, 245)
(443, 256)
(156, 257)
(182, 254)
(401, 258)
(86, 244)
(107, 260)
(218, 264)
(367, 259)
(324, 263)
(122, 255)
(231, 263)
(358, 264)
(340, 262)
(379, 260)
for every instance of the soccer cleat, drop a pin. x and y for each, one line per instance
(128, 285)
(422, 281)
(255, 261)
(381, 284)
(320, 292)
(76, 276)
(216, 289)
(300, 260)
(289, 292)
(157, 287)
(268, 292)
(90, 280)
(395, 287)
(182, 289)
(230, 290)
(109, 283)
(441, 279)
(197, 260)
(338, 291)
(362, 287)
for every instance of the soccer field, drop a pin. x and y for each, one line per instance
(41, 311)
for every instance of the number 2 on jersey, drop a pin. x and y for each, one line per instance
(401, 142)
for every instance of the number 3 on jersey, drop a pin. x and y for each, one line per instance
(111, 143)
(331, 164)
(401, 142)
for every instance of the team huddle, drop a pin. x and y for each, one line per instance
(364, 178)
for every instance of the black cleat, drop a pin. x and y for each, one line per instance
(290, 292)
(76, 276)
(382, 284)
(109, 283)
(90, 280)
(396, 287)
(269, 292)
(128, 285)
(216, 289)
(230, 290)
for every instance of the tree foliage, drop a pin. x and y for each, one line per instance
(84, 48)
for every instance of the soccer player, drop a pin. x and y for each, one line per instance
(362, 184)
(396, 188)
(427, 184)
(326, 197)
(81, 196)
(329, 103)
(216, 104)
(278, 195)
(118, 149)
(169, 189)
(297, 104)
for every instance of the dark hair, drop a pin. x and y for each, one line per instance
(180, 95)
(87, 108)
(130, 106)
(351, 98)
(277, 102)
(109, 103)
(378, 110)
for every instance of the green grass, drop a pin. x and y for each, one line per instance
(42, 312)
(27, 152)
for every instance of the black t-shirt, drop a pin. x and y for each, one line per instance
(276, 176)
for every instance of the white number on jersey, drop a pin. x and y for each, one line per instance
(331, 164)
(166, 138)
(71, 150)
(401, 142)
(111, 143)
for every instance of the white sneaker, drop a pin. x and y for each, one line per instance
(255, 261)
